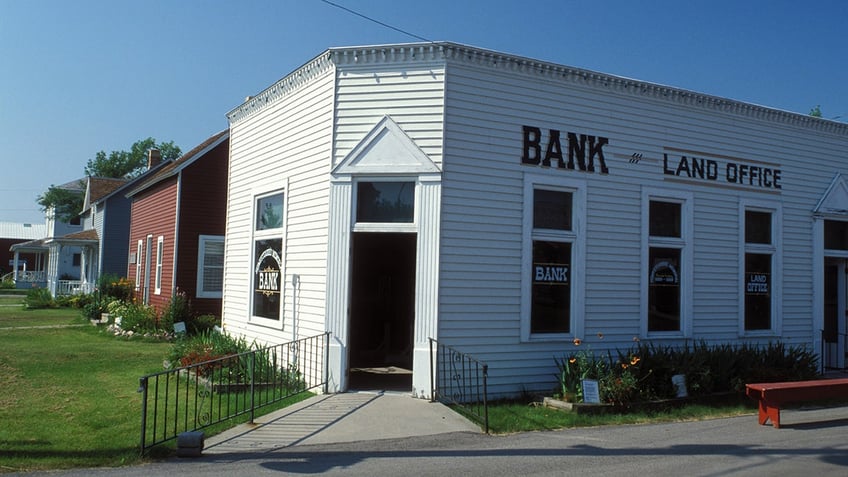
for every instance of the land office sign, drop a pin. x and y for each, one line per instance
(721, 170)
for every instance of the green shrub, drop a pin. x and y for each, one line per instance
(643, 372)
(201, 323)
(120, 288)
(178, 310)
(134, 317)
(39, 298)
(7, 284)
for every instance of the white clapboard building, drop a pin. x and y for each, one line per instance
(505, 206)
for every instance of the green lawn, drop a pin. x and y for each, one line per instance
(68, 395)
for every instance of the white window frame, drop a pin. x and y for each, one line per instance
(774, 249)
(201, 267)
(576, 237)
(400, 227)
(268, 234)
(138, 261)
(684, 243)
(160, 251)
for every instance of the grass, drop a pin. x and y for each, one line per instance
(68, 396)
(507, 417)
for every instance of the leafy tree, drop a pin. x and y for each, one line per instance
(129, 164)
(816, 112)
(67, 203)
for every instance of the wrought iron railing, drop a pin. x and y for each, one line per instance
(829, 359)
(194, 397)
(459, 379)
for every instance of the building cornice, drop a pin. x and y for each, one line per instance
(452, 52)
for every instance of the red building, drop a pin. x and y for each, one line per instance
(177, 229)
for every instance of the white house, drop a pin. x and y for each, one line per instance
(505, 206)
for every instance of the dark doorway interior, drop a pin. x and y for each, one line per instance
(382, 311)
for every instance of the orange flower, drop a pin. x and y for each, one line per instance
(623, 365)
(634, 360)
(577, 341)
(572, 360)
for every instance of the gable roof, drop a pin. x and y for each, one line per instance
(100, 187)
(174, 167)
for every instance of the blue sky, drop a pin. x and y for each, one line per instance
(77, 77)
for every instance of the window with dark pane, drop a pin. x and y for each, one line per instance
(551, 289)
(665, 219)
(267, 278)
(664, 275)
(387, 202)
(552, 209)
(757, 227)
(757, 291)
(835, 235)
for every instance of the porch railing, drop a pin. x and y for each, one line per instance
(73, 287)
(459, 379)
(194, 397)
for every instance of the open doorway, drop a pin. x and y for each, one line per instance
(382, 311)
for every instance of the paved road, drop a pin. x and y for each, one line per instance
(812, 441)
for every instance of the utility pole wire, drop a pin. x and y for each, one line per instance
(328, 2)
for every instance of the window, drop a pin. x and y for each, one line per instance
(387, 202)
(758, 259)
(138, 256)
(210, 266)
(160, 249)
(835, 235)
(267, 257)
(554, 264)
(668, 263)
(77, 259)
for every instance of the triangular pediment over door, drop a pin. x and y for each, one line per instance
(834, 202)
(386, 149)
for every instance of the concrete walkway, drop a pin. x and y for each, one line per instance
(337, 418)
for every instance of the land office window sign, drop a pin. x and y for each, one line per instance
(267, 279)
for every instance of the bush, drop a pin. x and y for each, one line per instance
(643, 372)
(8, 284)
(202, 323)
(134, 317)
(120, 288)
(178, 309)
(39, 298)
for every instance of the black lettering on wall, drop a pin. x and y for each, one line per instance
(532, 143)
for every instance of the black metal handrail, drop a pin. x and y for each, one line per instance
(194, 397)
(826, 362)
(459, 379)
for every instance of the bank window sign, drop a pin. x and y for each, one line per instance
(268, 278)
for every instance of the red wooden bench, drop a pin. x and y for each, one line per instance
(772, 396)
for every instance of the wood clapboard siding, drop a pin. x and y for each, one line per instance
(154, 213)
(466, 115)
(485, 111)
(285, 144)
(203, 194)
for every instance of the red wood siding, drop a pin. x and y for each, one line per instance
(203, 209)
(154, 213)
